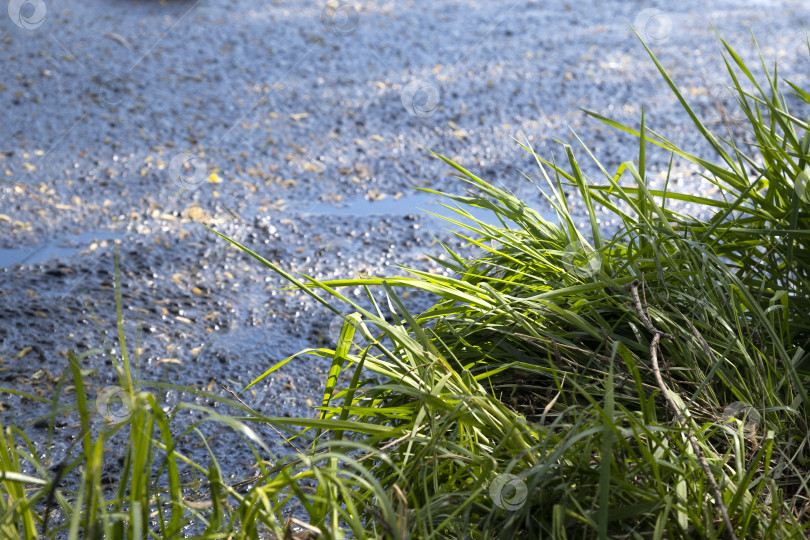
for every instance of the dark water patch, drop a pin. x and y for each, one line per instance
(61, 249)
(421, 204)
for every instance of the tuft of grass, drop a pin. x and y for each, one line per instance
(761, 220)
(649, 383)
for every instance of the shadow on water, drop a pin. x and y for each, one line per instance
(420, 204)
(62, 248)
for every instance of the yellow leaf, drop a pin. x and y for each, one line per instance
(195, 213)
(167, 361)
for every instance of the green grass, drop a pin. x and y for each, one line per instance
(649, 383)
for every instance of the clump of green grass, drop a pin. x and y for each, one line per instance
(761, 224)
(648, 383)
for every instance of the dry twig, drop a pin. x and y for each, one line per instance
(679, 417)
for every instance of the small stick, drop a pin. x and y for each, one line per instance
(656, 339)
